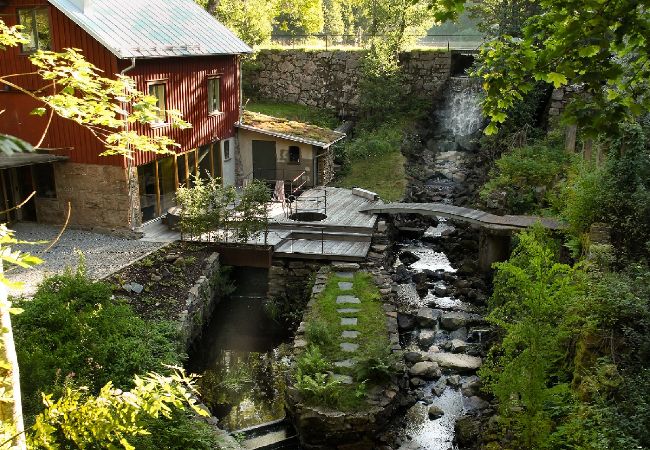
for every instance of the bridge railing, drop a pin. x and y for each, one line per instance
(329, 41)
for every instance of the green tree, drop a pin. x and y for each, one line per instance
(75, 91)
(251, 20)
(601, 46)
(532, 292)
(300, 16)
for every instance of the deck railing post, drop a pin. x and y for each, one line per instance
(322, 241)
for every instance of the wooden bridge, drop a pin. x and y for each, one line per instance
(496, 231)
(474, 216)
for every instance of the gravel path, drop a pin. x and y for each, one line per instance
(104, 253)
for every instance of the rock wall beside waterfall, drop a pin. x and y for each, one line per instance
(330, 79)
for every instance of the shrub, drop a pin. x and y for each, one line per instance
(312, 361)
(527, 174)
(74, 332)
(181, 431)
(318, 332)
(368, 143)
(377, 364)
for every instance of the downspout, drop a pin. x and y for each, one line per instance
(129, 161)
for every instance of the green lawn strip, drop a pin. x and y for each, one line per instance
(371, 326)
(383, 174)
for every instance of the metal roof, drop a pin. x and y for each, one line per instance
(28, 159)
(152, 28)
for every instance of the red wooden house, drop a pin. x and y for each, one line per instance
(175, 51)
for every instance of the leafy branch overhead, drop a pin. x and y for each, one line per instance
(108, 108)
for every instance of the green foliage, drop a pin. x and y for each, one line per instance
(319, 332)
(209, 207)
(617, 192)
(113, 417)
(74, 333)
(319, 388)
(527, 175)
(592, 49)
(179, 432)
(531, 293)
(378, 363)
(300, 16)
(252, 21)
(312, 361)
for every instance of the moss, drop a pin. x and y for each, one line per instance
(291, 128)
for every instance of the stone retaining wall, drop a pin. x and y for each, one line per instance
(330, 79)
(201, 301)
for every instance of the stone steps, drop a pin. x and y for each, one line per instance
(347, 335)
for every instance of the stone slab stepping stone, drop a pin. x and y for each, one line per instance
(348, 275)
(345, 266)
(345, 363)
(341, 299)
(348, 321)
(348, 310)
(347, 334)
(349, 347)
(345, 285)
(343, 379)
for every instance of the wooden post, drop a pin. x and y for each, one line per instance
(157, 177)
(176, 171)
(570, 138)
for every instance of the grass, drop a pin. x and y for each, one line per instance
(324, 330)
(294, 111)
(383, 174)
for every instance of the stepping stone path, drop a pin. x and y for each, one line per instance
(345, 285)
(348, 347)
(342, 299)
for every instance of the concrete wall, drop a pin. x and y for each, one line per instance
(330, 79)
(98, 195)
(228, 165)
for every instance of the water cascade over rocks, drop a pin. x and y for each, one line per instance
(441, 295)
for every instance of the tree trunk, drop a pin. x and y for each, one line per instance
(587, 149)
(570, 139)
(11, 411)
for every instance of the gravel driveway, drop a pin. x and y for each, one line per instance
(104, 253)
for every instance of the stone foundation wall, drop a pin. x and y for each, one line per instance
(98, 196)
(330, 79)
(290, 279)
(201, 300)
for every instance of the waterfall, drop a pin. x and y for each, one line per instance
(461, 114)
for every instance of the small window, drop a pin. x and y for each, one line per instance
(226, 150)
(158, 90)
(294, 154)
(214, 95)
(36, 23)
(44, 180)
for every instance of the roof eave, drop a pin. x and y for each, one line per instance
(289, 137)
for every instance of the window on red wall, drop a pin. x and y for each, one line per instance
(36, 23)
(214, 95)
(159, 90)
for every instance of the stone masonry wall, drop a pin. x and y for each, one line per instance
(98, 197)
(330, 79)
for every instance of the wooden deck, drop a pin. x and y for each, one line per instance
(344, 235)
(482, 218)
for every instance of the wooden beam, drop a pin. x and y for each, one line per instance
(156, 176)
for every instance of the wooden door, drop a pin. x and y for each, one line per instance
(264, 160)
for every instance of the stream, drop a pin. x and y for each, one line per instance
(242, 361)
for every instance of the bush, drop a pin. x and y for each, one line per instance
(318, 332)
(377, 364)
(368, 143)
(527, 175)
(181, 431)
(74, 332)
(312, 361)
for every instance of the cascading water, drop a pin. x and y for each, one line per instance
(443, 155)
(462, 116)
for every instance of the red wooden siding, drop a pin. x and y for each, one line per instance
(186, 81)
(186, 91)
(83, 146)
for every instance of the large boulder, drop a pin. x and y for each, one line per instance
(454, 320)
(425, 369)
(427, 338)
(457, 362)
(427, 317)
